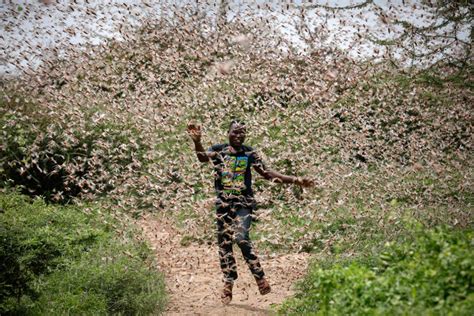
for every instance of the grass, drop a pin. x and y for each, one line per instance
(65, 259)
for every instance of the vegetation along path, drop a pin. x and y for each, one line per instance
(193, 276)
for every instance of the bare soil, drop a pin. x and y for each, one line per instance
(194, 279)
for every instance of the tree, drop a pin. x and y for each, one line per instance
(409, 34)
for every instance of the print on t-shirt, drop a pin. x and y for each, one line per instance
(233, 175)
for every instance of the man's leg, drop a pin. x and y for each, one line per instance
(242, 224)
(224, 240)
(226, 256)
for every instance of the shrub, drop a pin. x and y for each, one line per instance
(60, 260)
(62, 156)
(433, 275)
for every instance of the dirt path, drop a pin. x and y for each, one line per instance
(193, 276)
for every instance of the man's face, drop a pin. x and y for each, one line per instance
(237, 135)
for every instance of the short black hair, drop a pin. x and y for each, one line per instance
(236, 121)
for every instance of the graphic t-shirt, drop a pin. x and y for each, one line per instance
(233, 177)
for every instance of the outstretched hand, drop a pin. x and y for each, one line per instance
(194, 131)
(304, 182)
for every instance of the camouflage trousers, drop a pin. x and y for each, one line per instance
(233, 225)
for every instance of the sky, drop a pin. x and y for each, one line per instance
(32, 31)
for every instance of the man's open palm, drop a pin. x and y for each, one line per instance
(194, 131)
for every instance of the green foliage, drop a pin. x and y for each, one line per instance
(389, 120)
(60, 157)
(62, 260)
(433, 274)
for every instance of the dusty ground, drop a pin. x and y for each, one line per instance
(193, 276)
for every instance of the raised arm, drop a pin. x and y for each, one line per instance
(194, 131)
(277, 177)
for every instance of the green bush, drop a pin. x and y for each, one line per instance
(433, 275)
(61, 260)
(62, 156)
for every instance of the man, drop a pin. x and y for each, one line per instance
(235, 200)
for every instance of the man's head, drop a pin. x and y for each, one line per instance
(237, 133)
